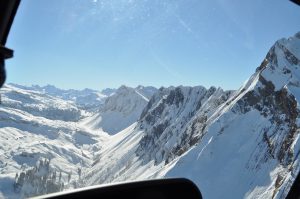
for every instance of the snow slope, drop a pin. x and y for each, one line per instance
(120, 109)
(34, 127)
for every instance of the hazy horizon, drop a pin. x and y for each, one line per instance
(45, 85)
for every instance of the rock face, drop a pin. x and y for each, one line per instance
(232, 144)
(174, 119)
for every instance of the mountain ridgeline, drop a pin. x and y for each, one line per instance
(174, 120)
(232, 144)
(244, 143)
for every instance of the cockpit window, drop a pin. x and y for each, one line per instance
(105, 91)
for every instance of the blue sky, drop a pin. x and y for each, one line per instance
(107, 43)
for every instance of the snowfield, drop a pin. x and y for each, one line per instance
(29, 133)
(232, 144)
(40, 124)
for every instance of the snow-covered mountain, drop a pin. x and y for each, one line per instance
(242, 144)
(121, 109)
(232, 144)
(87, 98)
(252, 147)
(168, 121)
(39, 104)
(166, 129)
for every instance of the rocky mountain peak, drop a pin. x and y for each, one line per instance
(281, 66)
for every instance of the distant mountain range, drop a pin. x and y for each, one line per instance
(232, 144)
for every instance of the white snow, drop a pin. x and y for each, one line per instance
(34, 126)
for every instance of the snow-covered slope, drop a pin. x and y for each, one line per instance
(120, 109)
(251, 149)
(242, 144)
(162, 133)
(42, 124)
(36, 127)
